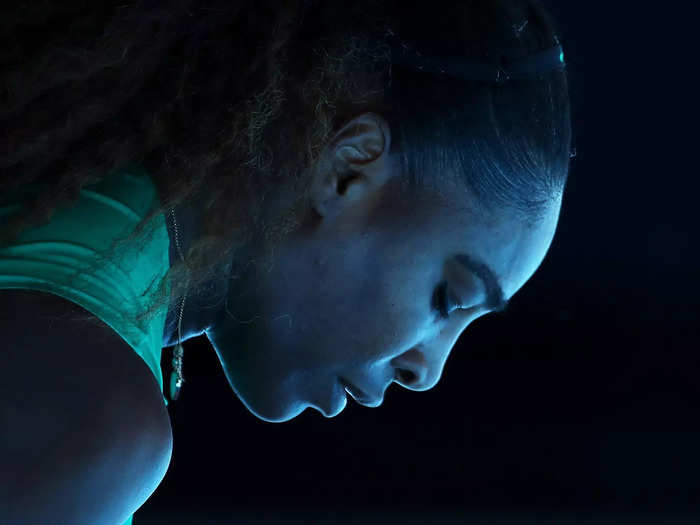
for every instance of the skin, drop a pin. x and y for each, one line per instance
(350, 292)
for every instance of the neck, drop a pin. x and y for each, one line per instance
(200, 309)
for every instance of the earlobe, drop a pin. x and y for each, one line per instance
(337, 192)
(322, 192)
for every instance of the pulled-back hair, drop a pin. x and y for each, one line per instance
(227, 102)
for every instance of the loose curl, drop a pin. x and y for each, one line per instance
(227, 102)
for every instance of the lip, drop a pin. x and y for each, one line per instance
(358, 395)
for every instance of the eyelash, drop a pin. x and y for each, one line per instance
(441, 301)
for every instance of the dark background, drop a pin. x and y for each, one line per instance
(578, 404)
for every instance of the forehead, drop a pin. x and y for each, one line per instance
(511, 246)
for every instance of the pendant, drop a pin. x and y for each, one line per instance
(176, 379)
(174, 388)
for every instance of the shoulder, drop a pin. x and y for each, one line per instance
(76, 395)
(70, 355)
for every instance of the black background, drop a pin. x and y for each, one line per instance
(580, 402)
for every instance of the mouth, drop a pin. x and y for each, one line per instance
(358, 395)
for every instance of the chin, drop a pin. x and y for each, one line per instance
(278, 412)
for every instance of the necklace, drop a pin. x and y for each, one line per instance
(176, 377)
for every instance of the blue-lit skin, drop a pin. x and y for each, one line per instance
(350, 293)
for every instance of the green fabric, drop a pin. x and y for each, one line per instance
(45, 258)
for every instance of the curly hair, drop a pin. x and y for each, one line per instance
(228, 102)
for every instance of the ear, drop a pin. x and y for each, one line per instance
(354, 165)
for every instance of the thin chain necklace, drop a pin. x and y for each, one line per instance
(176, 377)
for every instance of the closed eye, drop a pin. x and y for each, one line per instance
(444, 301)
(441, 300)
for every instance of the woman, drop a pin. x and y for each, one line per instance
(337, 210)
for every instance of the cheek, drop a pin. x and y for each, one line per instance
(389, 317)
(361, 298)
(353, 319)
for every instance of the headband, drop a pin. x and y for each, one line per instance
(539, 63)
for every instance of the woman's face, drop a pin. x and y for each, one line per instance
(352, 294)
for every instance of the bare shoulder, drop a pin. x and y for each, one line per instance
(63, 334)
(84, 411)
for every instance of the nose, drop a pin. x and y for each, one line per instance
(405, 377)
(411, 369)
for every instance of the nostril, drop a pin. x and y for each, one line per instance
(405, 376)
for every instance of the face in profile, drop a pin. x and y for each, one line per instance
(371, 290)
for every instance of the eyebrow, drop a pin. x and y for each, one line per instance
(495, 300)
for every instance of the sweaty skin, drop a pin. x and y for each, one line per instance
(350, 293)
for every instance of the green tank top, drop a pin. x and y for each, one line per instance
(45, 258)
